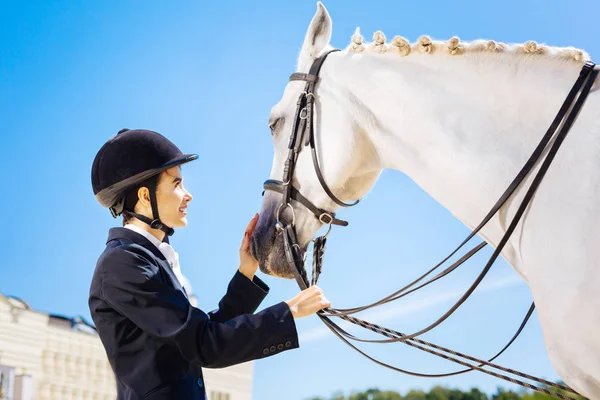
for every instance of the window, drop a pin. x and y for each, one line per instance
(219, 396)
(7, 378)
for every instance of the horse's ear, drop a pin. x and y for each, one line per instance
(317, 37)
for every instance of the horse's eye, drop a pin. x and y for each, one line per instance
(274, 124)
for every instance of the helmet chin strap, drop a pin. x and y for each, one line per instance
(155, 222)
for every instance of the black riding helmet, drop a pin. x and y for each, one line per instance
(128, 159)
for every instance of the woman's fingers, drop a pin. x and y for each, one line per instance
(252, 225)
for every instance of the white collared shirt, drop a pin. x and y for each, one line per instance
(170, 254)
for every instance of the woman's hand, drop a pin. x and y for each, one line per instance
(308, 302)
(248, 264)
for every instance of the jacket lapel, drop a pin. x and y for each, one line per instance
(132, 236)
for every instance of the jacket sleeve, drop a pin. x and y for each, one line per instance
(243, 296)
(133, 286)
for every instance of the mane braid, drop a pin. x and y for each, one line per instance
(455, 47)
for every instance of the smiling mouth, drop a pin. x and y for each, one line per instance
(182, 210)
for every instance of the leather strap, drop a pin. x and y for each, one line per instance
(314, 71)
(155, 222)
(303, 132)
(298, 76)
(290, 244)
(277, 186)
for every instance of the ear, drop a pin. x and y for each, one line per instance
(317, 38)
(143, 196)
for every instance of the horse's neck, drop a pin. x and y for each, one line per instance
(459, 128)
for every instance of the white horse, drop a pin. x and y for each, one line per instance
(460, 119)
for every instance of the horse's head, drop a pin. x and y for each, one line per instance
(346, 159)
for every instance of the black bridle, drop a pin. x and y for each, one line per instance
(303, 135)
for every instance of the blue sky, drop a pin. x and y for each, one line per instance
(72, 73)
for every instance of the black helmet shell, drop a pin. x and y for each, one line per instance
(129, 158)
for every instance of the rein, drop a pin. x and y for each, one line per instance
(303, 135)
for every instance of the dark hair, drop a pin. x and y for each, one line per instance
(131, 198)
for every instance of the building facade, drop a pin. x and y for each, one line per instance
(51, 357)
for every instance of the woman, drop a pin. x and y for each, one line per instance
(155, 340)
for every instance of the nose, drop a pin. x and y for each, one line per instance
(262, 238)
(188, 195)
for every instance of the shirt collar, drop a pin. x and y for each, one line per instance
(144, 233)
(157, 247)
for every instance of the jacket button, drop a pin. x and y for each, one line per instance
(288, 344)
(273, 348)
(199, 382)
(279, 346)
(266, 351)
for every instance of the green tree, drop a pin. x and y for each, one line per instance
(456, 394)
(414, 395)
(339, 395)
(438, 393)
(366, 395)
(475, 394)
(544, 396)
(359, 396)
(502, 394)
(387, 395)
(443, 393)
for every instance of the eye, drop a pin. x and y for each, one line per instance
(275, 124)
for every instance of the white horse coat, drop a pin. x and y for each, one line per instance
(461, 119)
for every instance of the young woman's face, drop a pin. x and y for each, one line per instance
(172, 198)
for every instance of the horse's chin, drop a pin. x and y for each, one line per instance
(276, 263)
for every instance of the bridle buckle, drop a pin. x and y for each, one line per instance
(326, 218)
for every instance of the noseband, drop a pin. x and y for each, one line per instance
(303, 135)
